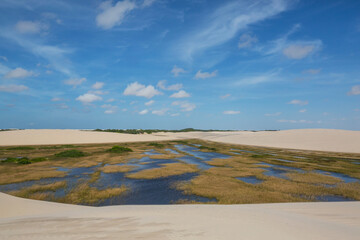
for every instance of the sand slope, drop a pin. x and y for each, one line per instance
(30, 219)
(308, 139)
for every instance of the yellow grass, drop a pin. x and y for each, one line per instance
(169, 169)
(116, 168)
(312, 177)
(37, 191)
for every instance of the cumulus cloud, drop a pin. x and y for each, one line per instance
(176, 71)
(355, 90)
(112, 15)
(140, 90)
(88, 98)
(13, 88)
(175, 87)
(246, 40)
(18, 73)
(298, 102)
(30, 27)
(231, 112)
(160, 112)
(184, 105)
(75, 81)
(143, 112)
(312, 71)
(203, 75)
(272, 114)
(97, 85)
(149, 103)
(302, 110)
(180, 94)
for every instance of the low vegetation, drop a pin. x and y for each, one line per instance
(70, 154)
(119, 149)
(157, 145)
(20, 148)
(39, 192)
(169, 169)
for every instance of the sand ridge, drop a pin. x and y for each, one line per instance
(306, 139)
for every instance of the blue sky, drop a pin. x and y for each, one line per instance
(265, 64)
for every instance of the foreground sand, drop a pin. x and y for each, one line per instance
(30, 219)
(307, 139)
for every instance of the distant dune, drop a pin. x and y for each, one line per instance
(307, 139)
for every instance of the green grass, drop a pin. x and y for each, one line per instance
(21, 148)
(23, 160)
(119, 149)
(207, 148)
(157, 145)
(70, 153)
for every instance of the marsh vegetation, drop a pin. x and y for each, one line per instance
(185, 171)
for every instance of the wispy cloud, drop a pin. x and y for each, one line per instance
(143, 112)
(174, 87)
(312, 71)
(160, 112)
(29, 27)
(231, 112)
(184, 105)
(176, 71)
(203, 75)
(98, 85)
(13, 88)
(247, 40)
(258, 79)
(355, 90)
(298, 102)
(223, 24)
(75, 81)
(225, 96)
(272, 114)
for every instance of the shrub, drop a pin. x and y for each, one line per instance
(207, 148)
(70, 153)
(158, 145)
(119, 149)
(21, 148)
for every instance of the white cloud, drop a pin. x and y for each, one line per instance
(184, 105)
(298, 102)
(253, 80)
(4, 58)
(149, 103)
(75, 81)
(226, 22)
(111, 100)
(112, 15)
(246, 40)
(30, 27)
(312, 71)
(13, 88)
(180, 94)
(175, 114)
(355, 90)
(299, 51)
(97, 85)
(110, 109)
(143, 112)
(98, 92)
(140, 90)
(302, 110)
(176, 71)
(56, 99)
(204, 75)
(88, 98)
(231, 112)
(272, 114)
(61, 106)
(225, 96)
(18, 73)
(175, 87)
(148, 3)
(160, 112)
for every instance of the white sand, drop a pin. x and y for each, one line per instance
(30, 219)
(308, 139)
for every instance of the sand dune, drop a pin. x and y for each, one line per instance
(30, 219)
(307, 139)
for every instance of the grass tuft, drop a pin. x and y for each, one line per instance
(21, 148)
(70, 153)
(157, 145)
(119, 149)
